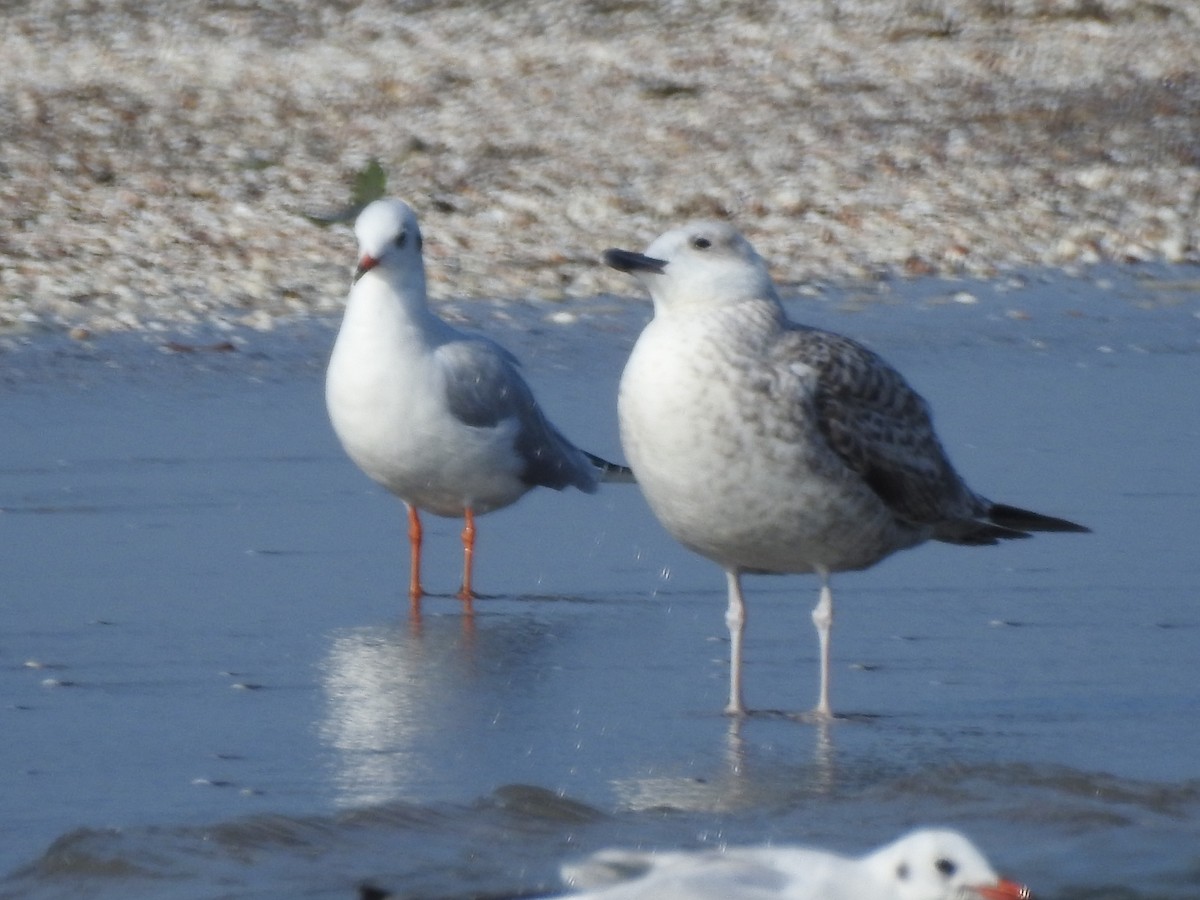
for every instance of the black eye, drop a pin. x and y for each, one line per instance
(902, 871)
(946, 867)
(701, 243)
(400, 239)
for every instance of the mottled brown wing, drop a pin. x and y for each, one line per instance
(881, 428)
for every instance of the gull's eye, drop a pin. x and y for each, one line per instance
(400, 239)
(902, 871)
(701, 243)
(946, 867)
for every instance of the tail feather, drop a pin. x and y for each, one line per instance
(1017, 519)
(979, 534)
(1001, 523)
(611, 473)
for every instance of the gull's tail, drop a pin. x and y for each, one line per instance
(999, 522)
(1017, 519)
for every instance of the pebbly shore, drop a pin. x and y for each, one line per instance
(167, 164)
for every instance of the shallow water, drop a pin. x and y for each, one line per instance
(212, 686)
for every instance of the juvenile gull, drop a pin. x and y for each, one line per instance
(440, 418)
(772, 447)
(924, 865)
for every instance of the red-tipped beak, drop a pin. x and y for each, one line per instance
(366, 264)
(1004, 890)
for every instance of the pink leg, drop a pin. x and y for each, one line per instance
(468, 539)
(823, 618)
(414, 541)
(735, 619)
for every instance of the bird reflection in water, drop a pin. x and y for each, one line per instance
(742, 780)
(405, 704)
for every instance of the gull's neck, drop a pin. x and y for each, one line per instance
(722, 290)
(760, 304)
(393, 305)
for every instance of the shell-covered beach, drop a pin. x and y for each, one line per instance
(160, 163)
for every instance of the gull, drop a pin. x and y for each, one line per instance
(772, 447)
(440, 418)
(928, 864)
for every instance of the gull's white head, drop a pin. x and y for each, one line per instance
(700, 264)
(939, 865)
(389, 241)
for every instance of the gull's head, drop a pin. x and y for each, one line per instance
(701, 264)
(389, 239)
(933, 864)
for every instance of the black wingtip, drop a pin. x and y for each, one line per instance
(1017, 519)
(611, 472)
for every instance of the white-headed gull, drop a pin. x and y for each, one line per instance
(440, 418)
(772, 447)
(924, 865)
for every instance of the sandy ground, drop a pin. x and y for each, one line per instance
(159, 161)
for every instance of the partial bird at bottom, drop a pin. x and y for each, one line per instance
(927, 864)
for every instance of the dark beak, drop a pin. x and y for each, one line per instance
(365, 265)
(628, 261)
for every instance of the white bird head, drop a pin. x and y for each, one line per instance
(389, 243)
(940, 865)
(700, 264)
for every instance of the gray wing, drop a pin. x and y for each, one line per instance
(882, 429)
(484, 388)
(635, 875)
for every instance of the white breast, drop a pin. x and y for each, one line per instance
(729, 455)
(385, 394)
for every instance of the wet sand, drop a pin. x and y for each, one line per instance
(214, 689)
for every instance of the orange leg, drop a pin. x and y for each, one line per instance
(414, 540)
(468, 539)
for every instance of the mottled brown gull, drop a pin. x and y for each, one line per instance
(440, 418)
(771, 447)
